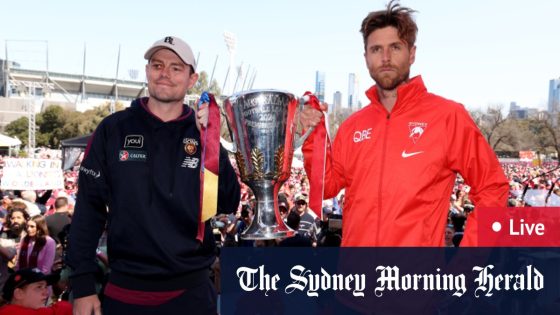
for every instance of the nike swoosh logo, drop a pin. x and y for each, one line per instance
(405, 155)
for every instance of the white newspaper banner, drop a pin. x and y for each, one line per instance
(32, 174)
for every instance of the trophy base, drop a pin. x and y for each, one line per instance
(266, 233)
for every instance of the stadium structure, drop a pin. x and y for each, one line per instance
(26, 90)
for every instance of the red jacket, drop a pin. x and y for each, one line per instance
(59, 308)
(399, 169)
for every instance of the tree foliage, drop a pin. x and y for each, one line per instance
(203, 85)
(55, 124)
(18, 128)
(538, 133)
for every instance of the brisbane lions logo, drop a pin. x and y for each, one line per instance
(416, 130)
(191, 146)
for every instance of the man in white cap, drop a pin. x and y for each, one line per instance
(143, 164)
(308, 222)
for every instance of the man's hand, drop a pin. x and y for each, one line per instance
(87, 305)
(202, 117)
(310, 117)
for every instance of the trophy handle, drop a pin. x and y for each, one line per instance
(205, 97)
(299, 141)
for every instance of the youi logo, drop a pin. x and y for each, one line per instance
(134, 141)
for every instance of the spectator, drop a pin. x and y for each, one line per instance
(15, 225)
(59, 219)
(26, 292)
(8, 252)
(31, 196)
(298, 240)
(5, 203)
(37, 248)
(283, 206)
(308, 225)
(449, 233)
(30, 207)
(246, 218)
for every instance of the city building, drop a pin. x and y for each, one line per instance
(518, 112)
(554, 96)
(337, 102)
(352, 91)
(320, 85)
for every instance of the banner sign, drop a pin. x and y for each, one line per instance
(527, 155)
(32, 174)
(280, 280)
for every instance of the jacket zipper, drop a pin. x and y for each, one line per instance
(380, 200)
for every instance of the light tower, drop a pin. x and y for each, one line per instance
(231, 43)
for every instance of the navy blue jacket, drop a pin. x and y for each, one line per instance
(140, 176)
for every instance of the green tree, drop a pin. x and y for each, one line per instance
(547, 135)
(202, 85)
(56, 124)
(18, 128)
(51, 122)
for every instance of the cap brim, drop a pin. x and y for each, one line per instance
(152, 51)
(8, 290)
(148, 55)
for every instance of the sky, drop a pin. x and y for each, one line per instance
(475, 52)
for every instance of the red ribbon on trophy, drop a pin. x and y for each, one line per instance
(210, 163)
(317, 175)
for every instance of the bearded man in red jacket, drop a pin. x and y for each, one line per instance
(398, 158)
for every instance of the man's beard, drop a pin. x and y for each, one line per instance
(17, 228)
(389, 83)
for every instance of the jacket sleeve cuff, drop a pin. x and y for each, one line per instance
(83, 285)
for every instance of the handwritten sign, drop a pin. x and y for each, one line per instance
(32, 174)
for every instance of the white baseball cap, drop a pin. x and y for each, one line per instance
(175, 44)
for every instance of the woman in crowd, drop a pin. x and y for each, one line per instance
(37, 248)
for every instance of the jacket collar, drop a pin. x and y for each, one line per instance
(142, 104)
(407, 94)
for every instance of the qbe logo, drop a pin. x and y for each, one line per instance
(361, 135)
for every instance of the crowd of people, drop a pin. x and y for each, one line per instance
(35, 223)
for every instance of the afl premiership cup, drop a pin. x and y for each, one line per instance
(262, 126)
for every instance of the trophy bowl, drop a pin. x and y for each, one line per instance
(262, 126)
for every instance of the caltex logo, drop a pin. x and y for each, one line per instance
(123, 155)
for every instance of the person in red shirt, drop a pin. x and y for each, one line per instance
(398, 157)
(27, 292)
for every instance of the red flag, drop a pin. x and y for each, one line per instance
(210, 163)
(317, 174)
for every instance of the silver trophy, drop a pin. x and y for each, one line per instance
(262, 126)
